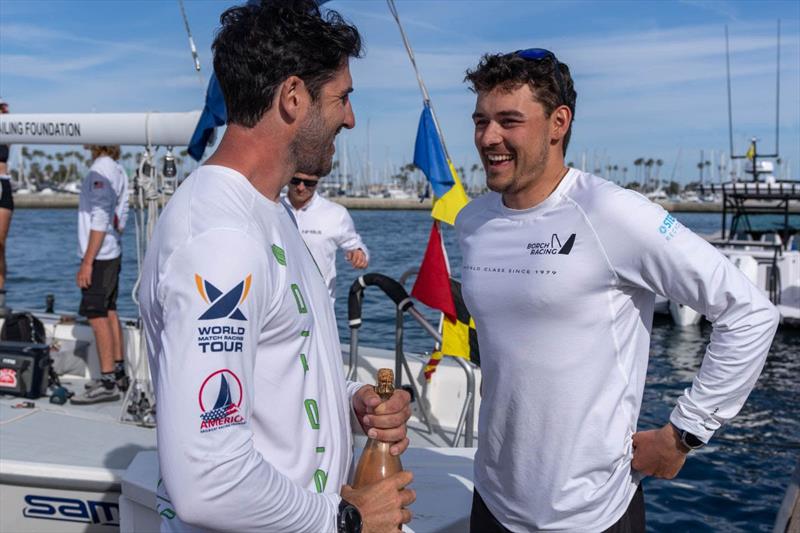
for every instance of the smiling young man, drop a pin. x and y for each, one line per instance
(560, 271)
(253, 407)
(326, 227)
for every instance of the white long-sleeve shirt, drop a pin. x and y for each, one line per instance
(326, 226)
(103, 206)
(253, 406)
(562, 295)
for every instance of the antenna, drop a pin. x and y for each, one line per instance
(752, 152)
(778, 90)
(728, 70)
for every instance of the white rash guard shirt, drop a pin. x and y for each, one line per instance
(563, 295)
(253, 407)
(103, 206)
(326, 226)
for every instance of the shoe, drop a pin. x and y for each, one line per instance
(123, 381)
(97, 394)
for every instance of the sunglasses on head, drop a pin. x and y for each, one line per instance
(310, 184)
(537, 54)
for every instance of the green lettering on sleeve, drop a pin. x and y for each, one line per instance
(304, 362)
(320, 479)
(298, 297)
(313, 413)
(280, 255)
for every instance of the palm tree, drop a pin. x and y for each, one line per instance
(638, 163)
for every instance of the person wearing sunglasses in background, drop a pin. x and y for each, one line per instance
(325, 226)
(560, 269)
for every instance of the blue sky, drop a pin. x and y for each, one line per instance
(650, 75)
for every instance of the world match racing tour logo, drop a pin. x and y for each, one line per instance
(222, 306)
(220, 399)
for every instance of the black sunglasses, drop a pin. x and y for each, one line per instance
(537, 54)
(310, 184)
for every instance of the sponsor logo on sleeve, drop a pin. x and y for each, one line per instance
(216, 337)
(220, 399)
(669, 227)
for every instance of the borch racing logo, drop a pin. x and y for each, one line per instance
(222, 338)
(553, 247)
(220, 398)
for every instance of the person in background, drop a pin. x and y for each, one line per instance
(102, 213)
(560, 270)
(254, 410)
(6, 209)
(326, 226)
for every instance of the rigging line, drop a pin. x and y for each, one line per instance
(192, 47)
(425, 96)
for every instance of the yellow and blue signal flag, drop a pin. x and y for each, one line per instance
(431, 159)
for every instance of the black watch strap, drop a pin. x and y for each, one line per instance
(690, 440)
(349, 518)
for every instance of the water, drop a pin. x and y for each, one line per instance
(735, 484)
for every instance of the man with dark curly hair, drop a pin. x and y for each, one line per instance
(253, 407)
(560, 270)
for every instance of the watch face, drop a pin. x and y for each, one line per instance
(351, 519)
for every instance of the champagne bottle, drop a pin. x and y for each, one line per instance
(376, 462)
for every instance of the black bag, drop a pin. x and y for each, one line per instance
(23, 327)
(24, 369)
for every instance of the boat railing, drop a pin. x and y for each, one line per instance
(772, 250)
(754, 188)
(397, 293)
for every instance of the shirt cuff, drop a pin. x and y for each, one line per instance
(681, 420)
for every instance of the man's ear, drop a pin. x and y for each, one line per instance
(292, 98)
(560, 121)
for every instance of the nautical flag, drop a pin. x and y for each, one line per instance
(430, 158)
(214, 114)
(432, 286)
(436, 289)
(751, 152)
(459, 336)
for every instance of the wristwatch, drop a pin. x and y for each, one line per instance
(349, 519)
(689, 440)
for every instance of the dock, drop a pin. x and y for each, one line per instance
(68, 201)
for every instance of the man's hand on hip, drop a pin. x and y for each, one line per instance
(84, 277)
(357, 258)
(658, 452)
(384, 421)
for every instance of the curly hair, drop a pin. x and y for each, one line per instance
(111, 150)
(510, 71)
(260, 45)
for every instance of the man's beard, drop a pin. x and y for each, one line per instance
(536, 168)
(311, 146)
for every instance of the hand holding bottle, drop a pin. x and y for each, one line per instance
(384, 421)
(382, 505)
